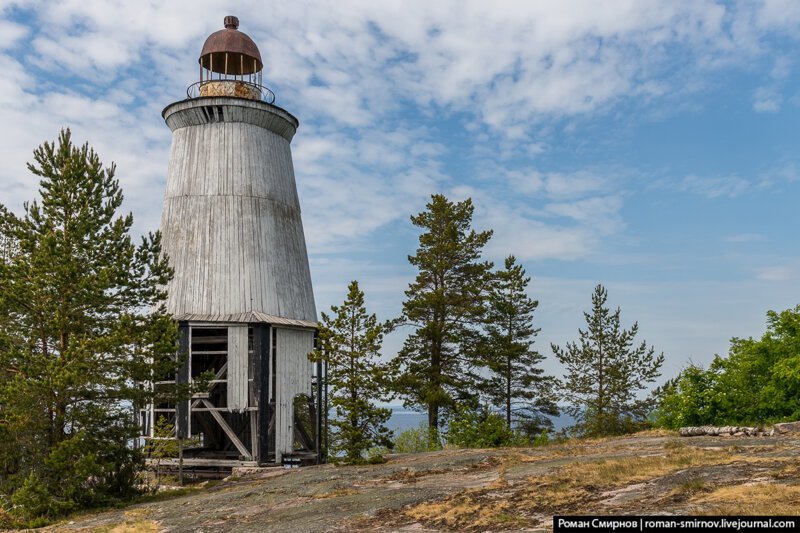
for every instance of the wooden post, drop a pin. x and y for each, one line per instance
(325, 414)
(318, 421)
(182, 405)
(261, 374)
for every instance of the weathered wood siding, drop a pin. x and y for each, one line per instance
(294, 377)
(237, 368)
(231, 222)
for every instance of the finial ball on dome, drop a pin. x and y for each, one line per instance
(232, 22)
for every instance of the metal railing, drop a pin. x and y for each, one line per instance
(264, 93)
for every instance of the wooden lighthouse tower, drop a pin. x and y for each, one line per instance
(242, 289)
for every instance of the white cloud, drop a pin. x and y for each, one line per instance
(10, 33)
(777, 273)
(766, 100)
(350, 187)
(564, 186)
(600, 213)
(743, 237)
(714, 187)
(563, 231)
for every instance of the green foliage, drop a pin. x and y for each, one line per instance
(542, 439)
(445, 305)
(687, 400)
(516, 382)
(33, 501)
(759, 381)
(163, 445)
(377, 455)
(605, 370)
(414, 440)
(478, 428)
(350, 342)
(76, 338)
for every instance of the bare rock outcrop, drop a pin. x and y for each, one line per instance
(725, 431)
(787, 427)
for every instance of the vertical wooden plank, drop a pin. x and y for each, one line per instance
(261, 372)
(237, 368)
(294, 377)
(182, 407)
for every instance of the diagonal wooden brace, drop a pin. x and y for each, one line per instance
(227, 429)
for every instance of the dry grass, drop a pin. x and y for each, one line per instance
(615, 472)
(473, 509)
(464, 512)
(140, 526)
(569, 488)
(336, 493)
(659, 432)
(135, 522)
(145, 526)
(753, 499)
(691, 486)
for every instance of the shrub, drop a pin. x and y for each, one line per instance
(414, 440)
(542, 439)
(33, 500)
(478, 429)
(377, 455)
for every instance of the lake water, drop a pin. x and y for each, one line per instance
(403, 418)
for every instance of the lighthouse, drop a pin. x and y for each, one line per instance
(241, 292)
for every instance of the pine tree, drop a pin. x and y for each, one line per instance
(516, 381)
(604, 372)
(445, 304)
(349, 342)
(82, 325)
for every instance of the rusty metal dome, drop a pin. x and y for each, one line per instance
(230, 51)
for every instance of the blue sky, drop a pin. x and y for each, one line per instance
(646, 145)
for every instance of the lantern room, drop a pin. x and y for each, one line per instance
(231, 65)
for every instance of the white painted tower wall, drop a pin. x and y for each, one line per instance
(231, 227)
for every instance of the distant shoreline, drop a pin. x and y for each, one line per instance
(403, 418)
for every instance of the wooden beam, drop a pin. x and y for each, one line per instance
(254, 433)
(225, 409)
(197, 461)
(182, 409)
(227, 429)
(261, 374)
(238, 364)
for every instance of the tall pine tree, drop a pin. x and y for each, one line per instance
(605, 371)
(81, 327)
(445, 304)
(349, 342)
(516, 382)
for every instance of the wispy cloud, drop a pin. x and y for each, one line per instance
(714, 187)
(768, 98)
(743, 237)
(778, 273)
